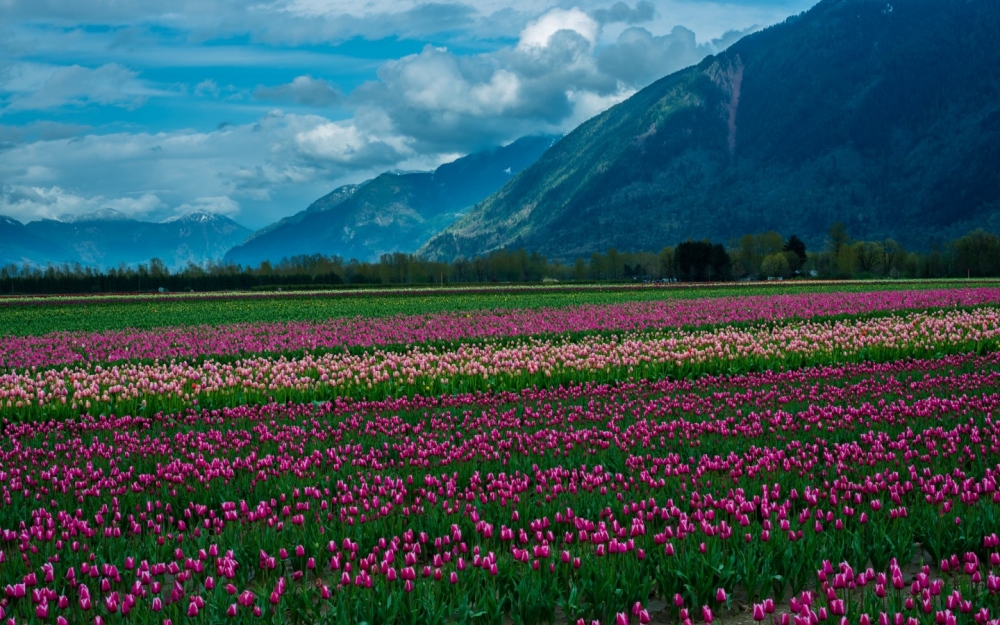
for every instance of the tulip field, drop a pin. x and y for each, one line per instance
(783, 457)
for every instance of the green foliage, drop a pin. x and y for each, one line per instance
(775, 265)
(978, 254)
(796, 246)
(868, 256)
(750, 251)
(698, 261)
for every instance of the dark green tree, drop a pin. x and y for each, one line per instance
(798, 247)
(698, 261)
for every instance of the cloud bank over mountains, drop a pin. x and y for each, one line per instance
(156, 109)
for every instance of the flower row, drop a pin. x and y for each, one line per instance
(137, 388)
(195, 341)
(590, 498)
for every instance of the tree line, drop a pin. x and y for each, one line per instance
(760, 256)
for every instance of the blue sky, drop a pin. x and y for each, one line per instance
(158, 108)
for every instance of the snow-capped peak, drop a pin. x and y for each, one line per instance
(196, 217)
(103, 214)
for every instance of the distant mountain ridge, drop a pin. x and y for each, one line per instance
(882, 115)
(328, 201)
(394, 212)
(107, 238)
(19, 246)
(103, 214)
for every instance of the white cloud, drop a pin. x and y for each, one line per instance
(238, 170)
(302, 90)
(207, 87)
(34, 86)
(145, 204)
(447, 102)
(555, 77)
(346, 144)
(334, 21)
(587, 104)
(436, 80)
(638, 57)
(218, 205)
(28, 203)
(540, 66)
(539, 33)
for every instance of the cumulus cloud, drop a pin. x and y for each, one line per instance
(638, 57)
(33, 86)
(554, 77)
(239, 170)
(538, 34)
(498, 69)
(28, 203)
(453, 102)
(302, 90)
(217, 205)
(346, 144)
(644, 11)
(296, 22)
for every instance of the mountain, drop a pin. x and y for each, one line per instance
(102, 214)
(884, 115)
(328, 201)
(394, 212)
(19, 246)
(107, 238)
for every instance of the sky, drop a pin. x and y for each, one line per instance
(159, 108)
